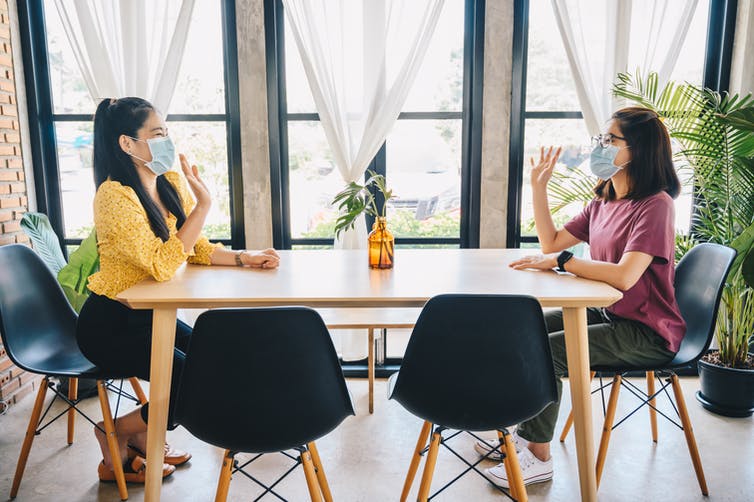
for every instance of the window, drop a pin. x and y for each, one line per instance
(198, 122)
(552, 112)
(422, 158)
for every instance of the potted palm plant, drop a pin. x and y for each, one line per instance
(356, 199)
(716, 137)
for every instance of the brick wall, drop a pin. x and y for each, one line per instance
(14, 383)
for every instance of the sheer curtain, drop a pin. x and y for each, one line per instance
(128, 47)
(602, 39)
(360, 59)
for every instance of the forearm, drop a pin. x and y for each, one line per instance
(223, 256)
(615, 274)
(192, 228)
(546, 231)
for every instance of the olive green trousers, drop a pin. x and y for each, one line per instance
(611, 341)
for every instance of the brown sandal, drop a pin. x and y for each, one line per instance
(172, 455)
(134, 471)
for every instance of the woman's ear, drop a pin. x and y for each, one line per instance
(125, 143)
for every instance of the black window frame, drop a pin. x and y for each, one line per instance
(720, 31)
(42, 119)
(471, 135)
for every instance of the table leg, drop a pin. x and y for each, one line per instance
(370, 369)
(577, 351)
(161, 368)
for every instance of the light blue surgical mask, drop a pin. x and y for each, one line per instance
(602, 161)
(163, 154)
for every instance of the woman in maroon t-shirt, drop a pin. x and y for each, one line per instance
(631, 237)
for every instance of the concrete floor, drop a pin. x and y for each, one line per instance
(367, 456)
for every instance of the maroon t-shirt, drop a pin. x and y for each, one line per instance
(646, 225)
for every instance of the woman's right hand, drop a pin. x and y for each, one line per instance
(542, 171)
(201, 192)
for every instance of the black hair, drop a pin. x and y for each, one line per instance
(125, 116)
(651, 169)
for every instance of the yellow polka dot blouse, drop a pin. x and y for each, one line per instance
(128, 248)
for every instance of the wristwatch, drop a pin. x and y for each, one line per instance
(563, 257)
(238, 258)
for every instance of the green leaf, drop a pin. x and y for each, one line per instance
(82, 263)
(44, 240)
(356, 199)
(742, 119)
(747, 267)
(743, 245)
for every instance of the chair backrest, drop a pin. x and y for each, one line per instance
(261, 380)
(477, 362)
(699, 281)
(37, 324)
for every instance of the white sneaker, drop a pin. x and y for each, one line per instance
(533, 470)
(484, 446)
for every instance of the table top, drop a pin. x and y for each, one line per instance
(342, 278)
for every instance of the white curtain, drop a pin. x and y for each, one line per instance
(128, 47)
(602, 39)
(360, 59)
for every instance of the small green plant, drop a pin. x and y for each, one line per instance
(356, 199)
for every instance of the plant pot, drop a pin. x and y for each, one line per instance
(726, 391)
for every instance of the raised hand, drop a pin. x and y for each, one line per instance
(200, 190)
(542, 171)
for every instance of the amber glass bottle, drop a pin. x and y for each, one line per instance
(381, 245)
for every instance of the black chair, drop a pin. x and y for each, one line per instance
(699, 281)
(260, 381)
(38, 329)
(474, 363)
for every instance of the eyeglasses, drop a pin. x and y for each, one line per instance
(605, 140)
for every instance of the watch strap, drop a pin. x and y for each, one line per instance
(563, 257)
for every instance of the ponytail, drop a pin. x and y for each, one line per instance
(125, 116)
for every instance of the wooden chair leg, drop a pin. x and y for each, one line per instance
(73, 392)
(136, 386)
(415, 460)
(429, 467)
(689, 433)
(569, 421)
(223, 484)
(31, 430)
(652, 411)
(112, 439)
(607, 427)
(311, 477)
(513, 471)
(320, 471)
(370, 369)
(506, 465)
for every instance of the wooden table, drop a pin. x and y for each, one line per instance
(340, 278)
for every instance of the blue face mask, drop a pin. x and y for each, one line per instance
(163, 154)
(602, 161)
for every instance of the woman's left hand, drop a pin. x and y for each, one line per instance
(266, 258)
(538, 262)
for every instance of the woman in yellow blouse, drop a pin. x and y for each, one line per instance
(147, 226)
